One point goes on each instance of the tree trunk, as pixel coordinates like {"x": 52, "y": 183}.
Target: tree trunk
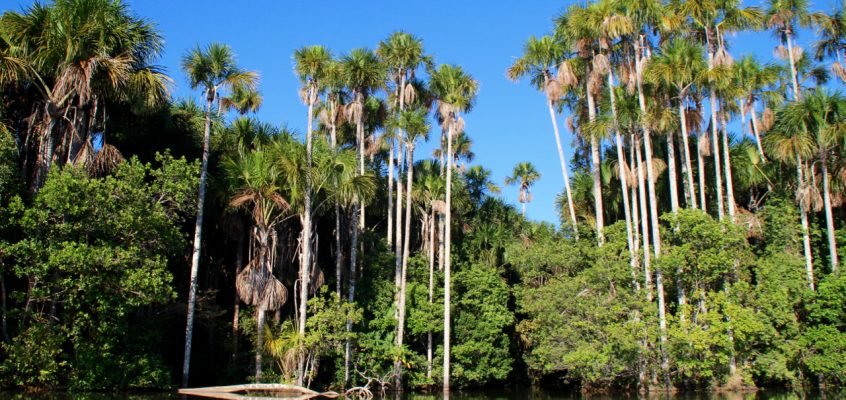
{"x": 700, "y": 165}
{"x": 624, "y": 187}
{"x": 732, "y": 208}
{"x": 793, "y": 74}
{"x": 259, "y": 341}
{"x": 595, "y": 172}
{"x": 431, "y": 291}
{"x": 564, "y": 171}
{"x": 391, "y": 193}
{"x": 803, "y": 216}
{"x": 406, "y": 249}
{"x": 756, "y": 131}
{"x": 715, "y": 140}
{"x": 687, "y": 159}
{"x": 829, "y": 219}
{"x": 398, "y": 220}
{"x": 448, "y": 258}
{"x": 198, "y": 228}
{"x": 236, "y": 314}
{"x": 671, "y": 173}
{"x": 351, "y": 289}
{"x": 305, "y": 266}
{"x": 644, "y": 211}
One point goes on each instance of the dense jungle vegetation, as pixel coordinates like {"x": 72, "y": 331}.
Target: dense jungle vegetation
{"x": 148, "y": 241}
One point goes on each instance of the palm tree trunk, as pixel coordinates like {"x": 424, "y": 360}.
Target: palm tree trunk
{"x": 198, "y": 228}
{"x": 259, "y": 340}
{"x": 236, "y": 314}
{"x": 305, "y": 265}
{"x": 803, "y": 216}
{"x": 391, "y": 193}
{"x": 431, "y": 290}
{"x": 700, "y": 165}
{"x": 406, "y": 250}
{"x": 351, "y": 288}
{"x": 448, "y": 258}
{"x": 595, "y": 172}
{"x": 634, "y": 203}
{"x": 829, "y": 219}
{"x": 624, "y": 187}
{"x": 564, "y": 171}
{"x": 339, "y": 254}
{"x": 715, "y": 142}
{"x": 732, "y": 207}
{"x": 671, "y": 173}
{"x": 793, "y": 74}
{"x": 641, "y": 188}
{"x": 756, "y": 131}
{"x": 687, "y": 159}
{"x": 398, "y": 220}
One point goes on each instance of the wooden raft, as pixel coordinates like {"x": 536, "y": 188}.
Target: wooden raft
{"x": 234, "y": 392}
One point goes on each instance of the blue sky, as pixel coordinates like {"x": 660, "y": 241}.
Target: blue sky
{"x": 510, "y": 122}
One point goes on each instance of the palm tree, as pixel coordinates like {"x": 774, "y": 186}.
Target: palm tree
{"x": 784, "y": 17}
{"x": 539, "y": 60}
{"x": 753, "y": 78}
{"x": 821, "y": 116}
{"x": 794, "y": 146}
{"x": 256, "y": 184}
{"x": 402, "y": 53}
{"x": 679, "y": 65}
{"x": 242, "y": 100}
{"x": 310, "y": 65}
{"x": 213, "y": 69}
{"x": 831, "y": 32}
{"x": 581, "y": 28}
{"x": 455, "y": 91}
{"x": 414, "y": 124}
{"x": 362, "y": 73}
{"x": 79, "y": 55}
{"x": 525, "y": 175}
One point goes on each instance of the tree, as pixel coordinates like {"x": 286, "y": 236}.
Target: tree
{"x": 540, "y": 57}
{"x": 256, "y": 184}
{"x": 212, "y": 69}
{"x": 524, "y": 175}
{"x": 362, "y": 73}
{"x": 455, "y": 91}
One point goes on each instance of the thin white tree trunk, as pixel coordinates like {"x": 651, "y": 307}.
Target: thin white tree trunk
{"x": 431, "y": 290}
{"x": 406, "y": 251}
{"x": 687, "y": 159}
{"x": 732, "y": 207}
{"x": 700, "y": 164}
{"x": 448, "y": 259}
{"x": 715, "y": 140}
{"x": 829, "y": 219}
{"x": 756, "y": 131}
{"x": 195, "y": 254}
{"x": 624, "y": 187}
{"x": 803, "y": 216}
{"x": 793, "y": 74}
{"x": 259, "y": 340}
{"x": 644, "y": 211}
{"x": 564, "y": 171}
{"x": 595, "y": 172}
{"x": 391, "y": 193}
{"x": 671, "y": 173}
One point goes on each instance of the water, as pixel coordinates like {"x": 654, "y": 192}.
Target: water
{"x": 512, "y": 394}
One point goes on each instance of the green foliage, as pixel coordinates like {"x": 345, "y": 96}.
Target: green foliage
{"x": 96, "y": 251}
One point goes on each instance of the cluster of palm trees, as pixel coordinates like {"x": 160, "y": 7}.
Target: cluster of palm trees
{"x": 274, "y": 176}
{"x": 644, "y": 74}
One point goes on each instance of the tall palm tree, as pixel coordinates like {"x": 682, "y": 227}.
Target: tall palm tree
{"x": 413, "y": 123}
{"x": 455, "y": 91}
{"x": 679, "y": 65}
{"x": 541, "y": 56}
{"x": 794, "y": 146}
{"x": 525, "y": 175}
{"x": 402, "y": 53}
{"x": 784, "y": 17}
{"x": 581, "y": 29}
{"x": 753, "y": 78}
{"x": 362, "y": 73}
{"x": 822, "y": 117}
{"x": 213, "y": 69}
{"x": 257, "y": 184}
{"x": 309, "y": 65}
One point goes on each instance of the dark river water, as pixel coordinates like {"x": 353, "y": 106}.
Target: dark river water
{"x": 526, "y": 394}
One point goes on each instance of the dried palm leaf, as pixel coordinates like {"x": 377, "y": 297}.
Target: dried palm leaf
{"x": 566, "y": 76}
{"x": 106, "y": 160}
{"x": 780, "y": 52}
{"x": 601, "y": 64}
{"x": 838, "y": 70}
{"x": 723, "y": 58}
{"x": 704, "y": 144}
{"x": 767, "y": 119}
{"x": 410, "y": 94}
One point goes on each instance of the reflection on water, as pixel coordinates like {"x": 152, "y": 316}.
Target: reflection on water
{"x": 512, "y": 394}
